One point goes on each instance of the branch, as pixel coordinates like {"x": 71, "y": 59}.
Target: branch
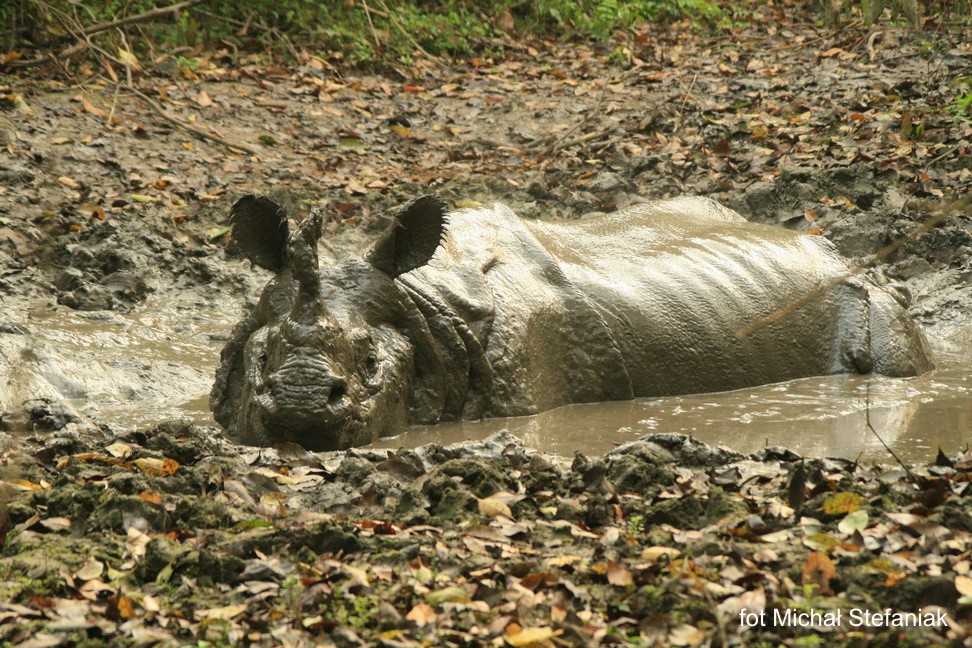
{"x": 867, "y": 420}
{"x": 198, "y": 132}
{"x": 147, "y": 15}
{"x": 100, "y": 27}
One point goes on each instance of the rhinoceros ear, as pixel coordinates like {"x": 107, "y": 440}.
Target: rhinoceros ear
{"x": 260, "y": 231}
{"x": 412, "y": 238}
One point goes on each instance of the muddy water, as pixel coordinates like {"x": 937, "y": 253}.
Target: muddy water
{"x": 134, "y": 370}
{"x": 127, "y": 370}
{"x": 826, "y": 416}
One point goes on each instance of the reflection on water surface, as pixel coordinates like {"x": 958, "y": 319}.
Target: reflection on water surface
{"x": 825, "y": 416}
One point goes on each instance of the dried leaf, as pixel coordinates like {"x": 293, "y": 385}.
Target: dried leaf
{"x": 56, "y": 523}
{"x": 129, "y": 59}
{"x": 964, "y": 585}
{"x": 90, "y": 570}
{"x": 354, "y": 187}
{"x": 126, "y": 609}
{"x": 686, "y": 635}
{"x": 492, "y": 507}
{"x": 136, "y": 542}
{"x": 619, "y": 575}
{"x": 156, "y": 467}
{"x": 120, "y": 449}
{"x": 819, "y": 570}
{"x": 530, "y": 637}
{"x": 654, "y": 554}
{"x": 856, "y": 521}
{"x": 422, "y": 614}
{"x": 448, "y": 595}
{"x": 224, "y": 613}
{"x": 561, "y": 561}
{"x": 24, "y": 484}
{"x": 97, "y": 112}
{"x": 218, "y": 232}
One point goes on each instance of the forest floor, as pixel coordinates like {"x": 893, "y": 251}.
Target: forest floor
{"x": 173, "y": 536}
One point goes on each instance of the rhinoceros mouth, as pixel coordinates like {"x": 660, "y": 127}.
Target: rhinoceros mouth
{"x": 331, "y": 427}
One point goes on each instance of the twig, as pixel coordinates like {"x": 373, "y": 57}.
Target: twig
{"x": 948, "y": 151}
{"x": 67, "y": 52}
{"x": 404, "y": 31}
{"x": 147, "y": 15}
{"x": 606, "y": 144}
{"x": 382, "y": 14}
{"x": 723, "y": 634}
{"x": 816, "y": 293}
{"x": 804, "y": 43}
{"x": 681, "y": 108}
{"x": 83, "y": 34}
{"x": 867, "y": 420}
{"x": 114, "y": 104}
{"x": 559, "y": 142}
{"x": 198, "y": 132}
{"x": 128, "y": 67}
{"x": 374, "y": 34}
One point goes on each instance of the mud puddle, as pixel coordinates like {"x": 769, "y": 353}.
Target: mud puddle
{"x": 131, "y": 371}
{"x": 822, "y": 416}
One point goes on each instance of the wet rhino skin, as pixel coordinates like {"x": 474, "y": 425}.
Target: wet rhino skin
{"x": 479, "y": 313}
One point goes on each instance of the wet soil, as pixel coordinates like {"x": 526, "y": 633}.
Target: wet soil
{"x": 117, "y": 287}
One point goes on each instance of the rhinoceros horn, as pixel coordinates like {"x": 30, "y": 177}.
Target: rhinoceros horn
{"x": 305, "y": 267}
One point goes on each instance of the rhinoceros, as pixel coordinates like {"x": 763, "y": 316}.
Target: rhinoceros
{"x": 477, "y": 313}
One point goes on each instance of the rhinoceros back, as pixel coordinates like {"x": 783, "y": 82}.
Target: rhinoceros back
{"x": 678, "y": 280}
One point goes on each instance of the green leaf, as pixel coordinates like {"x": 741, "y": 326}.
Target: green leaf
{"x": 856, "y": 521}
{"x": 218, "y": 232}
{"x": 842, "y": 503}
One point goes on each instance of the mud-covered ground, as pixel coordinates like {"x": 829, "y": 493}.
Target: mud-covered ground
{"x": 172, "y": 535}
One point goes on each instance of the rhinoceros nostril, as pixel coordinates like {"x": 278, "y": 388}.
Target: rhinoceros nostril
{"x": 338, "y": 390}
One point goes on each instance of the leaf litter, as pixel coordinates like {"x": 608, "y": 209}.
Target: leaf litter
{"x": 172, "y": 536}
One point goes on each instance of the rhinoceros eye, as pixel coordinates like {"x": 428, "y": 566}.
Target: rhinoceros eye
{"x": 371, "y": 362}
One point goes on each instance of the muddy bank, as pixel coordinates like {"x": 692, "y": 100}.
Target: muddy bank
{"x": 173, "y": 536}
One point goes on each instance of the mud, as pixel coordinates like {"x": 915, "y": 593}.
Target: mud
{"x": 117, "y": 286}
{"x": 117, "y": 290}
{"x": 122, "y": 322}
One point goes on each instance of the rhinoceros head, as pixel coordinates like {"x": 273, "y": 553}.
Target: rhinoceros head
{"x": 327, "y": 357}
